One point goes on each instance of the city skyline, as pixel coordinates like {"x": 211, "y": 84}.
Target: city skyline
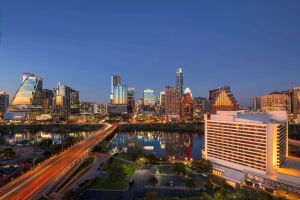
{"x": 255, "y": 52}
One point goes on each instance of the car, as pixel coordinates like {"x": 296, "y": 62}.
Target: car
{"x": 204, "y": 174}
{"x": 131, "y": 181}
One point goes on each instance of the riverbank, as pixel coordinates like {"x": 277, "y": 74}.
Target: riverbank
{"x": 33, "y": 128}
{"x": 171, "y": 127}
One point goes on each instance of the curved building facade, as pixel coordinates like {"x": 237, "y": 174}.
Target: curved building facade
{"x": 27, "y": 103}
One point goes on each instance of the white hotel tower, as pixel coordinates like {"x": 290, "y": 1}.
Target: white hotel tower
{"x": 248, "y": 143}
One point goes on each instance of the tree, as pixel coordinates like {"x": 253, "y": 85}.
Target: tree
{"x": 189, "y": 183}
{"x": 249, "y": 193}
{"x": 202, "y": 166}
{"x": 153, "y": 180}
{"x": 179, "y": 169}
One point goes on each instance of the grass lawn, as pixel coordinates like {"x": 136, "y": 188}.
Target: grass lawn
{"x": 106, "y": 183}
{"x": 128, "y": 168}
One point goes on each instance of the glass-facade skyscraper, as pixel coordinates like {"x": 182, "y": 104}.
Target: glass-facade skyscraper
{"x": 149, "y": 97}
{"x": 120, "y": 95}
{"x": 27, "y": 103}
{"x": 179, "y": 82}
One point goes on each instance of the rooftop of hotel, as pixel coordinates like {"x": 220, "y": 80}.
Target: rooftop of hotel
{"x": 235, "y": 116}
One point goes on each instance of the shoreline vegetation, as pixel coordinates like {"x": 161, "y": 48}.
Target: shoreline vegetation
{"x": 294, "y": 129}
{"x": 171, "y": 127}
{"x": 33, "y": 128}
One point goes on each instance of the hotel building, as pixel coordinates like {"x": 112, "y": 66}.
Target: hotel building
{"x": 254, "y": 143}
{"x": 252, "y": 149}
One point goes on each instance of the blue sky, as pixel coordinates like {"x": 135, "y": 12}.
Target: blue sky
{"x": 252, "y": 46}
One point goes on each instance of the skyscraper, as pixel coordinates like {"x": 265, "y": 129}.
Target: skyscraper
{"x": 171, "y": 101}
{"x": 48, "y": 100}
{"x": 179, "y": 82}
{"x": 120, "y": 95}
{"x": 27, "y": 103}
{"x": 222, "y": 99}
{"x": 186, "y": 106}
{"x": 115, "y": 81}
{"x": 149, "y": 97}
{"x": 66, "y": 101}
{"x": 131, "y": 100}
{"x": 162, "y": 102}
{"x": 179, "y": 89}
{"x": 4, "y": 101}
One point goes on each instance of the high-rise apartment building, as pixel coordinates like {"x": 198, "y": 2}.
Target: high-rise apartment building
{"x": 186, "y": 105}
{"x": 48, "y": 100}
{"x": 66, "y": 101}
{"x": 171, "y": 101}
{"x": 27, "y": 103}
{"x": 276, "y": 101}
{"x": 74, "y": 101}
{"x": 4, "y": 102}
{"x": 131, "y": 100}
{"x": 222, "y": 99}
{"x": 249, "y": 143}
{"x": 162, "y": 102}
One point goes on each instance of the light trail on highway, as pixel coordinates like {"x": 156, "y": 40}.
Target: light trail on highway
{"x": 43, "y": 177}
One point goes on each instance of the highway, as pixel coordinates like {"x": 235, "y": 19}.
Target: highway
{"x": 38, "y": 181}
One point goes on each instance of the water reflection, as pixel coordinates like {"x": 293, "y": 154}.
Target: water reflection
{"x": 163, "y": 144}
{"x": 15, "y": 138}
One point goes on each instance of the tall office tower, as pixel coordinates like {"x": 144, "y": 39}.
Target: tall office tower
{"x": 179, "y": 88}
{"x": 149, "y": 100}
{"x": 200, "y": 107}
{"x": 4, "y": 102}
{"x": 294, "y": 94}
{"x": 222, "y": 99}
{"x": 162, "y": 102}
{"x": 171, "y": 101}
{"x": 120, "y": 95}
{"x": 27, "y": 103}
{"x": 256, "y": 103}
{"x": 179, "y": 82}
{"x": 66, "y": 101}
{"x": 276, "y": 101}
{"x": 246, "y": 143}
{"x": 74, "y": 101}
{"x": 149, "y": 97}
{"x": 115, "y": 81}
{"x": 186, "y": 106}
{"x": 61, "y": 102}
{"x": 48, "y": 100}
{"x": 131, "y": 100}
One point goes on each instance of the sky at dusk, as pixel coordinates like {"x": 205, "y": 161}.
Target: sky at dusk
{"x": 252, "y": 46}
